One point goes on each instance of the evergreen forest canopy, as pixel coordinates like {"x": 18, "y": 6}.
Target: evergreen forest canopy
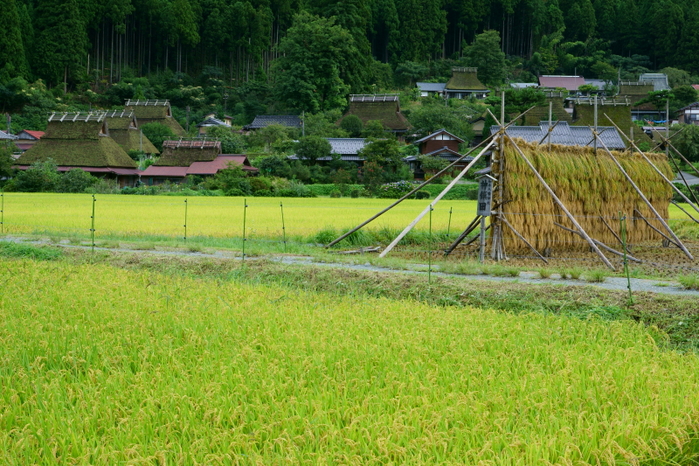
{"x": 292, "y": 55}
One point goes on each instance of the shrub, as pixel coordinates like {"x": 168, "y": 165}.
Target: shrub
{"x": 335, "y": 193}
{"x": 422, "y": 194}
{"x": 260, "y": 183}
{"x": 355, "y": 193}
{"x": 104, "y": 186}
{"x": 395, "y": 190}
{"x": 75, "y": 181}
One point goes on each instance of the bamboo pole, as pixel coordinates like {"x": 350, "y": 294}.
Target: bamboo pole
{"x": 639, "y": 215}
{"x": 560, "y": 204}
{"x": 433, "y": 203}
{"x": 657, "y": 170}
{"x": 477, "y": 237}
{"x": 648, "y": 203}
{"x": 600, "y": 244}
{"x": 462, "y": 236}
{"x": 611, "y": 230}
{"x": 680, "y": 207}
{"x": 524, "y": 240}
{"x": 425, "y": 183}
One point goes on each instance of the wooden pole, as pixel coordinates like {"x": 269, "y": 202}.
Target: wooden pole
{"x": 560, "y": 204}
{"x": 639, "y": 215}
{"x": 657, "y": 170}
{"x": 611, "y": 230}
{"x": 648, "y": 203}
{"x": 676, "y": 205}
{"x": 462, "y": 236}
{"x": 433, "y": 203}
{"x": 481, "y": 251}
{"x": 599, "y": 243}
{"x": 436, "y": 176}
{"x": 524, "y": 240}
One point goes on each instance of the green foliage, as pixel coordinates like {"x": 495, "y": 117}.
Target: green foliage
{"x": 311, "y": 148}
{"x": 353, "y": 125}
{"x": 687, "y": 141}
{"x": 684, "y": 95}
{"x": 409, "y": 72}
{"x": 6, "y": 160}
{"x": 373, "y": 129}
{"x": 232, "y": 181}
{"x": 274, "y": 165}
{"x": 323, "y": 124}
{"x": 269, "y": 136}
{"x": 157, "y": 133}
{"x": 315, "y": 68}
{"x": 27, "y": 251}
{"x": 39, "y": 177}
{"x": 231, "y": 143}
{"x": 432, "y": 164}
{"x": 12, "y": 53}
{"x": 75, "y": 181}
{"x": 430, "y": 118}
{"x": 486, "y": 53}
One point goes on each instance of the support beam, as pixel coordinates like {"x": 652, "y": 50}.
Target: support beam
{"x": 680, "y": 207}
{"x": 524, "y": 240}
{"x": 436, "y": 200}
{"x": 611, "y": 230}
{"x": 560, "y": 204}
{"x": 647, "y": 202}
{"x": 600, "y": 244}
{"x": 657, "y": 170}
{"x": 639, "y": 215}
{"x": 472, "y": 226}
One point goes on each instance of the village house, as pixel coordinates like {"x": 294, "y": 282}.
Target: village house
{"x": 384, "y": 108}
{"x": 184, "y": 158}
{"x": 123, "y": 128}
{"x": 464, "y": 84}
{"x": 82, "y": 140}
{"x": 442, "y": 144}
{"x": 155, "y": 111}
{"x": 263, "y": 121}
{"x": 27, "y": 138}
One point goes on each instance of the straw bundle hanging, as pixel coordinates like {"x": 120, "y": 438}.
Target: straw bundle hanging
{"x": 590, "y": 186}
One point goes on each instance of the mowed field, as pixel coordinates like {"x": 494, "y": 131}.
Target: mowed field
{"x": 100, "y": 365}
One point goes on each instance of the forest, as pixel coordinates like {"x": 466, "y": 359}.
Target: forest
{"x": 245, "y": 56}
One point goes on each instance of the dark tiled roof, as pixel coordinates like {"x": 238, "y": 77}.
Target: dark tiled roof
{"x": 565, "y": 135}
{"x": 4, "y": 135}
{"x": 374, "y": 98}
{"x": 431, "y": 87}
{"x": 262, "y": 121}
{"x": 212, "y": 122}
{"x": 694, "y": 105}
{"x": 659, "y": 80}
{"x": 346, "y": 146}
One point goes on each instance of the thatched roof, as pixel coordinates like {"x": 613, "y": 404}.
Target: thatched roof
{"x": 465, "y": 79}
{"x": 382, "y": 107}
{"x": 78, "y": 140}
{"x": 184, "y": 153}
{"x": 123, "y": 128}
{"x": 155, "y": 111}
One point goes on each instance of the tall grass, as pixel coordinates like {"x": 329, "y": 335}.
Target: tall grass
{"x": 105, "y": 366}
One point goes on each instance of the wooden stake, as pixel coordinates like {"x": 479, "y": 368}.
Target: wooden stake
{"x": 639, "y": 215}
{"x": 611, "y": 230}
{"x": 560, "y": 204}
{"x": 657, "y": 170}
{"x": 524, "y": 240}
{"x": 462, "y": 236}
{"x": 648, "y": 203}
{"x": 599, "y": 243}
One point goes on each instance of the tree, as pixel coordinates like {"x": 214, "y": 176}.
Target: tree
{"x": 353, "y": 125}
{"x": 75, "y": 181}
{"x": 684, "y": 95}
{"x": 269, "y": 135}
{"x": 486, "y": 54}
{"x": 231, "y": 143}
{"x": 39, "y": 177}
{"x": 385, "y": 153}
{"x": 315, "y": 69}
{"x": 373, "y": 129}
{"x": 430, "y": 118}
{"x": 312, "y": 148}
{"x": 62, "y": 41}
{"x": 687, "y": 141}
{"x": 6, "y": 160}
{"x": 12, "y": 57}
{"x": 157, "y": 133}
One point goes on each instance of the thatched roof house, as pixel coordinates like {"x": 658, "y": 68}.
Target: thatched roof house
{"x": 183, "y": 153}
{"x": 81, "y": 140}
{"x": 464, "y": 83}
{"x": 381, "y": 107}
{"x": 123, "y": 128}
{"x": 155, "y": 111}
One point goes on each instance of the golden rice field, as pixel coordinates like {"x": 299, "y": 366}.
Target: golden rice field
{"x": 133, "y": 367}
{"x": 213, "y": 216}
{"x": 26, "y": 213}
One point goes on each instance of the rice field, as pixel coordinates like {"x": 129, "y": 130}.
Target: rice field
{"x": 135, "y": 367}
{"x": 213, "y": 216}
{"x": 221, "y": 217}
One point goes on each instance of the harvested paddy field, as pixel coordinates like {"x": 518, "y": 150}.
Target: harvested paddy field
{"x": 123, "y": 359}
